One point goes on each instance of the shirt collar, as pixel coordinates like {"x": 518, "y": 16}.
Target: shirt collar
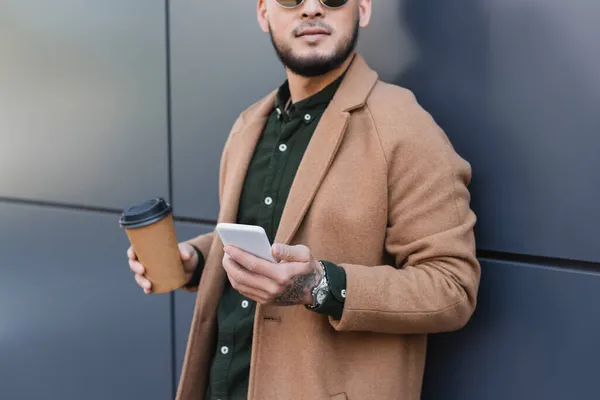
{"x": 320, "y": 98}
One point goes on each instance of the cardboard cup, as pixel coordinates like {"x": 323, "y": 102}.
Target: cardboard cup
{"x": 154, "y": 241}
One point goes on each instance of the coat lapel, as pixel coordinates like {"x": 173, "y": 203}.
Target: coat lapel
{"x": 243, "y": 144}
{"x": 325, "y": 142}
{"x": 313, "y": 168}
{"x": 240, "y": 151}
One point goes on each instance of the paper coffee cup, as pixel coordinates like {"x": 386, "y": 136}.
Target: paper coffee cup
{"x": 151, "y": 232}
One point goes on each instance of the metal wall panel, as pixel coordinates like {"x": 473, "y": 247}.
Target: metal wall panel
{"x": 541, "y": 196}
{"x": 74, "y": 325}
{"x": 515, "y": 86}
{"x": 219, "y": 67}
{"x": 387, "y": 43}
{"x": 83, "y": 101}
{"x": 184, "y": 301}
{"x": 533, "y": 336}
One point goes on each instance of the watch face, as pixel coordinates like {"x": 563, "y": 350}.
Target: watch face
{"x": 321, "y": 295}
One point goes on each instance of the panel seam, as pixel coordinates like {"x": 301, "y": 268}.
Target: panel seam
{"x": 172, "y": 322}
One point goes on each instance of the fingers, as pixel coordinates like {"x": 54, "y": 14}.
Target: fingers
{"x": 253, "y": 264}
{"x": 137, "y": 267}
{"x": 139, "y": 271}
{"x": 299, "y": 253}
{"x": 143, "y": 283}
{"x": 281, "y": 273}
{"x": 131, "y": 254}
{"x": 242, "y": 278}
{"x": 253, "y": 294}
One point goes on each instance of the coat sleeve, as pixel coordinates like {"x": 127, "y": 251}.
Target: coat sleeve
{"x": 433, "y": 285}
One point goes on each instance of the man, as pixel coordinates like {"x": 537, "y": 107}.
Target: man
{"x": 367, "y": 205}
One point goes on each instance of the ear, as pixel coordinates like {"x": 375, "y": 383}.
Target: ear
{"x": 263, "y": 20}
{"x": 364, "y": 10}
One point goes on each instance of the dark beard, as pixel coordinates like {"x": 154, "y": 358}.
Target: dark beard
{"x": 316, "y": 66}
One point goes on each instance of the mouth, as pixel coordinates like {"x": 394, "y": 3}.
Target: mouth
{"x": 313, "y": 33}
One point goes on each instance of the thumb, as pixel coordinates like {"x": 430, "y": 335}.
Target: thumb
{"x": 298, "y": 253}
{"x": 186, "y": 252}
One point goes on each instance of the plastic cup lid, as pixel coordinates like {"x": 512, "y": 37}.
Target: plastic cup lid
{"x": 145, "y": 213}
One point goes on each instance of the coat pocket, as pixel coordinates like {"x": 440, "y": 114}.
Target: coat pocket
{"x": 339, "y": 396}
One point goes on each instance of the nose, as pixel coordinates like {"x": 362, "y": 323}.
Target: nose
{"x": 312, "y": 9}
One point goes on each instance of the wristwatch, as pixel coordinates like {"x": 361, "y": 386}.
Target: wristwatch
{"x": 321, "y": 291}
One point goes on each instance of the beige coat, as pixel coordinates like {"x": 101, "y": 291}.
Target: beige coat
{"x": 381, "y": 192}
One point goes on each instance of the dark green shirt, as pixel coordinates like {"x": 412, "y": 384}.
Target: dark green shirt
{"x": 267, "y": 185}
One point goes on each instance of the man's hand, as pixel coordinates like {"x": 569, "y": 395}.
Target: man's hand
{"x": 188, "y": 257}
{"x": 289, "y": 282}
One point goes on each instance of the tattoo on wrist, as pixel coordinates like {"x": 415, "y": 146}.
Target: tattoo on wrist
{"x": 300, "y": 288}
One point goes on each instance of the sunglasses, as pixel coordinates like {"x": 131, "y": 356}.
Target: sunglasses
{"x": 297, "y": 3}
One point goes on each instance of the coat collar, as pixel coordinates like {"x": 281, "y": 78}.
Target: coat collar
{"x": 352, "y": 94}
{"x": 356, "y": 86}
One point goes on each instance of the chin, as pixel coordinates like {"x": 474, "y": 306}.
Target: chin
{"x": 313, "y": 56}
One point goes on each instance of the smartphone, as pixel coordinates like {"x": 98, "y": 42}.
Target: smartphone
{"x": 250, "y": 238}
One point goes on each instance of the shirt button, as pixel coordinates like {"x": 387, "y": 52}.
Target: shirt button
{"x": 245, "y": 304}
{"x": 344, "y": 293}
{"x": 307, "y": 117}
{"x": 224, "y": 350}
{"x": 268, "y": 201}
{"x": 282, "y": 148}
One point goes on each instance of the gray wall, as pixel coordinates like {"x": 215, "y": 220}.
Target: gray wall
{"x": 107, "y": 103}
{"x": 516, "y": 85}
{"x": 83, "y": 100}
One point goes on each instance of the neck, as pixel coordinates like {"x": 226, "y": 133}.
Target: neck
{"x": 302, "y": 87}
